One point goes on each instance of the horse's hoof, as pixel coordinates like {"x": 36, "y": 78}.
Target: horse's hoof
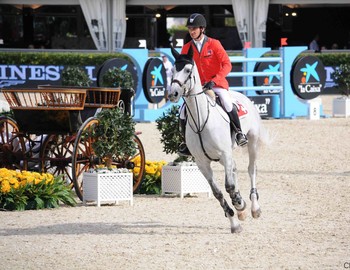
{"x": 242, "y": 215}
{"x": 256, "y": 214}
{"x": 240, "y": 207}
{"x": 237, "y": 229}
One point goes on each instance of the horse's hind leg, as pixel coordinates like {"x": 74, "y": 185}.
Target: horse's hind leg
{"x": 208, "y": 174}
{"x": 252, "y": 171}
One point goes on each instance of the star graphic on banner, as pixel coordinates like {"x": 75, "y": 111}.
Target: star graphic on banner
{"x": 273, "y": 69}
{"x": 311, "y": 71}
{"x": 157, "y": 74}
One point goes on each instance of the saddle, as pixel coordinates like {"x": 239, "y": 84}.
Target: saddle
{"x": 241, "y": 111}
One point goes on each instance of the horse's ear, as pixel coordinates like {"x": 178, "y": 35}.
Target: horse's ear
{"x": 190, "y": 52}
{"x": 174, "y": 52}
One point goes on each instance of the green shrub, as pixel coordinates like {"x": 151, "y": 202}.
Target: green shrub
{"x": 171, "y": 137}
{"x": 341, "y": 77}
{"x": 75, "y": 76}
{"x": 116, "y": 77}
{"x": 114, "y": 135}
{"x": 58, "y": 58}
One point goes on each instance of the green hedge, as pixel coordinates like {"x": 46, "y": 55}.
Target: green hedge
{"x": 57, "y": 58}
{"x": 81, "y": 59}
{"x": 327, "y": 58}
{"x": 333, "y": 59}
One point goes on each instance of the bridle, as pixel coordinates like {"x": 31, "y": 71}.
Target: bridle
{"x": 186, "y": 91}
{"x": 183, "y": 85}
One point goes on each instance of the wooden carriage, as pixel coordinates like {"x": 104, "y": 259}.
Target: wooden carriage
{"x": 46, "y": 132}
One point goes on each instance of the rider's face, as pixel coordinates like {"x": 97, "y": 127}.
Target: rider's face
{"x": 195, "y": 32}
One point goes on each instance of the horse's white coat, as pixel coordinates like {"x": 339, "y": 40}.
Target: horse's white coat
{"x": 207, "y": 122}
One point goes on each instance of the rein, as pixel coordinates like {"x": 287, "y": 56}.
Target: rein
{"x": 186, "y": 94}
{"x": 198, "y": 124}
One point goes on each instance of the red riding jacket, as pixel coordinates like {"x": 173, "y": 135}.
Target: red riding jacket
{"x": 212, "y": 62}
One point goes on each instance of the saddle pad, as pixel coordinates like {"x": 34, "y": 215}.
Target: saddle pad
{"x": 242, "y": 111}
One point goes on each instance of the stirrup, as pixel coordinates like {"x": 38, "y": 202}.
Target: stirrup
{"x": 183, "y": 150}
{"x": 242, "y": 141}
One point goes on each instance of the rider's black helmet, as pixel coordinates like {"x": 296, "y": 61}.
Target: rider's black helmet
{"x": 196, "y": 20}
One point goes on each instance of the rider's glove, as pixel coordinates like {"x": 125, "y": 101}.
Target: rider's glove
{"x": 208, "y": 85}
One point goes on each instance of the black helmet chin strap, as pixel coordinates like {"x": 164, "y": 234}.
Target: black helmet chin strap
{"x": 202, "y": 31}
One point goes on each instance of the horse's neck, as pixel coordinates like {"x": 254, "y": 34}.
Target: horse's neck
{"x": 197, "y": 106}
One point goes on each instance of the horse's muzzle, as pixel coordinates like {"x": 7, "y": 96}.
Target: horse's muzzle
{"x": 173, "y": 97}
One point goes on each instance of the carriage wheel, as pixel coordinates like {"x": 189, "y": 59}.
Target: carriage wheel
{"x": 83, "y": 155}
{"x": 12, "y": 146}
{"x": 56, "y": 156}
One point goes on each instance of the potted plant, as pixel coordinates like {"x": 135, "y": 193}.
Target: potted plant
{"x": 181, "y": 176}
{"x": 341, "y": 76}
{"x": 75, "y": 76}
{"x": 112, "y": 138}
{"x": 120, "y": 78}
{"x": 171, "y": 137}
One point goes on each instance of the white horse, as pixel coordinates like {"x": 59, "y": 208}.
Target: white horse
{"x": 209, "y": 137}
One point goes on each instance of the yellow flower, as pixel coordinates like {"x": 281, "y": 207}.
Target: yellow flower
{"x": 23, "y": 183}
{"x": 36, "y": 175}
{"x": 16, "y": 185}
{"x": 5, "y": 187}
{"x": 14, "y": 182}
{"x": 136, "y": 160}
{"x": 37, "y": 181}
{"x": 30, "y": 179}
{"x": 136, "y": 170}
{"x": 149, "y": 169}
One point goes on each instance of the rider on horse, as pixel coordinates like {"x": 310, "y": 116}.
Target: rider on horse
{"x": 213, "y": 66}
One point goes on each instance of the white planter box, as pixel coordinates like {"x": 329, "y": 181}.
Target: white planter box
{"x": 106, "y": 187}
{"x": 183, "y": 180}
{"x": 341, "y": 107}
{"x": 314, "y": 108}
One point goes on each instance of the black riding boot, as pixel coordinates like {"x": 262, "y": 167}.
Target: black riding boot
{"x": 241, "y": 139}
{"x": 183, "y": 150}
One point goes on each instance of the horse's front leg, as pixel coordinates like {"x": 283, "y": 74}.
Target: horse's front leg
{"x": 231, "y": 185}
{"x": 229, "y": 213}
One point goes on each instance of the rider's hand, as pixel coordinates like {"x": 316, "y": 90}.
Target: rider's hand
{"x": 208, "y": 85}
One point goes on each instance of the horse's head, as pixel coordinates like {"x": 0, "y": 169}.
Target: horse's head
{"x": 181, "y": 82}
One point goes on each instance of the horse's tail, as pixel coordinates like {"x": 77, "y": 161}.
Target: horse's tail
{"x": 265, "y": 136}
